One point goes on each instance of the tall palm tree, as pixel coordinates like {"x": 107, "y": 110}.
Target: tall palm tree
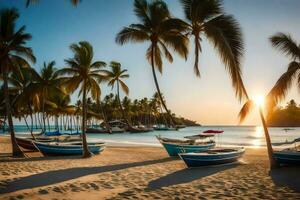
{"x": 115, "y": 78}
{"x": 44, "y": 84}
{"x": 206, "y": 18}
{"x": 244, "y": 112}
{"x": 288, "y": 46}
{"x": 13, "y": 55}
{"x": 83, "y": 73}
{"x": 162, "y": 31}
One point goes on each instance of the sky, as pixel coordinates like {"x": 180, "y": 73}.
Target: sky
{"x": 209, "y": 100}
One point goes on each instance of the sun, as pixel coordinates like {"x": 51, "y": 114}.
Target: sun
{"x": 259, "y": 100}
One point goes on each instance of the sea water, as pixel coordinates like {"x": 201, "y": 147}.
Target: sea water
{"x": 251, "y": 136}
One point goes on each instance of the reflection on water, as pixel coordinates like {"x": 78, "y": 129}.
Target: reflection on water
{"x": 256, "y": 143}
{"x": 259, "y": 132}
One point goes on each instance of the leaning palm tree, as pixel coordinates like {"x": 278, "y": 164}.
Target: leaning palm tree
{"x": 289, "y": 47}
{"x": 206, "y": 18}
{"x": 244, "y": 112}
{"x": 13, "y": 55}
{"x": 115, "y": 78}
{"x": 162, "y": 31}
{"x": 83, "y": 73}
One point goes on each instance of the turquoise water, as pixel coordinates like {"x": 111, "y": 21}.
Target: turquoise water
{"x": 233, "y": 135}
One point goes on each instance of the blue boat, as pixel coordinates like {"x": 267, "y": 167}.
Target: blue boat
{"x": 214, "y": 156}
{"x": 174, "y": 146}
{"x": 70, "y": 148}
{"x": 287, "y": 157}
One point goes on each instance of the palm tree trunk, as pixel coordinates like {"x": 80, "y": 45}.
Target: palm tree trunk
{"x": 120, "y": 104}
{"x": 16, "y": 151}
{"x": 86, "y": 151}
{"x": 268, "y": 140}
{"x": 158, "y": 89}
{"x": 104, "y": 118}
{"x": 31, "y": 118}
{"x": 44, "y": 120}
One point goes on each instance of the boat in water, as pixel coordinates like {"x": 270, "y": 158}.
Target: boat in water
{"x": 67, "y": 148}
{"x": 97, "y": 130}
{"x": 164, "y": 128}
{"x": 176, "y": 146}
{"x": 214, "y": 156}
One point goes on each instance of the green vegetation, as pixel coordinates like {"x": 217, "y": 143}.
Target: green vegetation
{"x": 289, "y": 116}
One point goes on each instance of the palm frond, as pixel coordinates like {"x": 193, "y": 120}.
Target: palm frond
{"x": 286, "y": 44}
{"x": 124, "y": 87}
{"x": 246, "y": 109}
{"x": 280, "y": 90}
{"x": 224, "y": 32}
{"x": 128, "y": 34}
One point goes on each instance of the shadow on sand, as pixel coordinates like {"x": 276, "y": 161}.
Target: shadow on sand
{"x": 58, "y": 176}
{"x": 188, "y": 175}
{"x": 288, "y": 176}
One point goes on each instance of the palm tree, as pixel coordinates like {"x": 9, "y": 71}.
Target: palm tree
{"x": 289, "y": 47}
{"x": 207, "y": 18}
{"x": 115, "y": 78}
{"x": 162, "y": 31}
{"x": 43, "y": 86}
{"x": 13, "y": 55}
{"x": 244, "y": 112}
{"x": 83, "y": 73}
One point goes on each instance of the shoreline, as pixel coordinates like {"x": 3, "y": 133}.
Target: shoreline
{"x": 137, "y": 172}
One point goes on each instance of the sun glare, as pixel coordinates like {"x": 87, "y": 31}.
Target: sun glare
{"x": 259, "y": 100}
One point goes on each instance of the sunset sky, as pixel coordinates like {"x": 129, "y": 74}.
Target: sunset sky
{"x": 209, "y": 100}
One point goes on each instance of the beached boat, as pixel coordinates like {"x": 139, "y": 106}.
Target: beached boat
{"x": 287, "y": 157}
{"x": 67, "y": 148}
{"x": 214, "y": 156}
{"x": 176, "y": 146}
{"x": 27, "y": 143}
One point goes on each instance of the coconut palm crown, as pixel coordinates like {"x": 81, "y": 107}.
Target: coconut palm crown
{"x": 86, "y": 74}
{"x": 14, "y": 54}
{"x": 160, "y": 30}
{"x": 206, "y": 18}
{"x": 287, "y": 45}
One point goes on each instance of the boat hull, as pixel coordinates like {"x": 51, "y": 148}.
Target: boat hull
{"x": 27, "y": 143}
{"x": 175, "y": 149}
{"x": 287, "y": 157}
{"x": 203, "y": 159}
{"x": 49, "y": 149}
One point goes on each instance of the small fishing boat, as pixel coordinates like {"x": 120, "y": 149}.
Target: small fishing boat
{"x": 163, "y": 128}
{"x": 67, "y": 148}
{"x": 97, "y": 130}
{"x": 116, "y": 129}
{"x": 214, "y": 156}
{"x": 27, "y": 143}
{"x": 176, "y": 146}
{"x": 287, "y": 157}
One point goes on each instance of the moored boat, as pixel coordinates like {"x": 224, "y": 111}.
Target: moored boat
{"x": 71, "y": 148}
{"x": 97, "y": 130}
{"x": 176, "y": 146}
{"x": 214, "y": 156}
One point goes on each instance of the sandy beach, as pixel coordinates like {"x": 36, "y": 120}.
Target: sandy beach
{"x": 142, "y": 173}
